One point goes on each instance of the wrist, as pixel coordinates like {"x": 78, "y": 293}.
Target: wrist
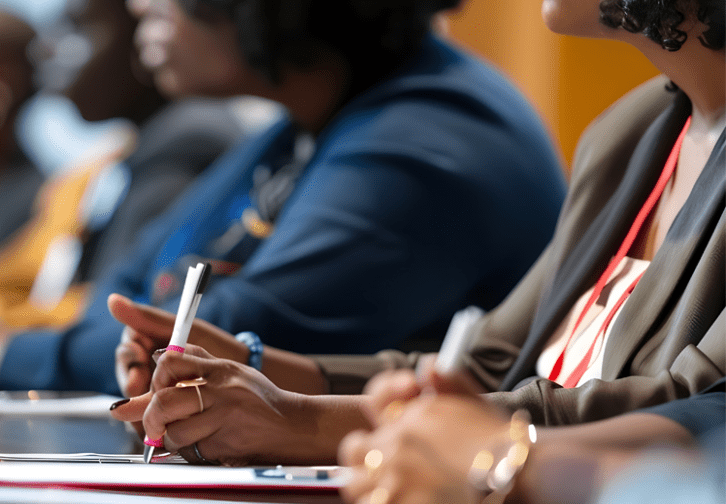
{"x": 496, "y": 468}
{"x": 254, "y": 346}
{"x": 330, "y": 418}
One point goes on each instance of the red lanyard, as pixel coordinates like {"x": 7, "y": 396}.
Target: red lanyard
{"x": 665, "y": 176}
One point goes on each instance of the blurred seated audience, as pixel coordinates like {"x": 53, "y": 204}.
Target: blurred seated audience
{"x": 19, "y": 179}
{"x": 88, "y": 211}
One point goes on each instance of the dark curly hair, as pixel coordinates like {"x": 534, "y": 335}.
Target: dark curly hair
{"x": 373, "y": 35}
{"x": 659, "y": 20}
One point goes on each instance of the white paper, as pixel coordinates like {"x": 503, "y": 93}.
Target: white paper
{"x": 158, "y": 476}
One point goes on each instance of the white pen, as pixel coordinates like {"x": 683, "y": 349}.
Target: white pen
{"x": 456, "y": 342}
{"x": 194, "y": 285}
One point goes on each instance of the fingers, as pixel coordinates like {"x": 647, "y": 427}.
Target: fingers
{"x": 388, "y": 391}
{"x": 352, "y": 448}
{"x": 132, "y": 410}
{"x": 174, "y": 367}
{"x": 171, "y": 405}
{"x": 195, "y": 427}
{"x": 147, "y": 320}
{"x": 458, "y": 382}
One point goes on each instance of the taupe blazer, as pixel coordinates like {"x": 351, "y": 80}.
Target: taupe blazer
{"x": 668, "y": 341}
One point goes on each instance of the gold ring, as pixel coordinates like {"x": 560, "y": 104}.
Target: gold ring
{"x": 380, "y": 495}
{"x": 373, "y": 459}
{"x": 196, "y": 383}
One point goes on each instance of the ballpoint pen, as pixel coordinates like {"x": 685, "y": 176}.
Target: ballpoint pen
{"x": 194, "y": 285}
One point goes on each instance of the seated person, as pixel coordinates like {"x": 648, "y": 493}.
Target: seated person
{"x": 89, "y": 212}
{"x": 430, "y": 185}
{"x": 19, "y": 179}
{"x": 667, "y": 342}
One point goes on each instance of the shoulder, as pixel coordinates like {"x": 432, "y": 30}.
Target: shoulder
{"x": 607, "y": 145}
{"x": 447, "y": 105}
{"x": 617, "y": 131}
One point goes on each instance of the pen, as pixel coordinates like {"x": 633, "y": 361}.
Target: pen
{"x": 456, "y": 342}
{"x": 194, "y": 285}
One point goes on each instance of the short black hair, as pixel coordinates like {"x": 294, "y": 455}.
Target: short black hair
{"x": 371, "y": 34}
{"x": 659, "y": 20}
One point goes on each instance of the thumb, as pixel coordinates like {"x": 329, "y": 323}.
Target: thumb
{"x": 131, "y": 410}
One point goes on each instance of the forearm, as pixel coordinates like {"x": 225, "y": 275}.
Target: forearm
{"x": 567, "y": 464}
{"x": 328, "y": 419}
{"x": 293, "y": 372}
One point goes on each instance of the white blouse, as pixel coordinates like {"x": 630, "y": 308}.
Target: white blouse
{"x": 627, "y": 271}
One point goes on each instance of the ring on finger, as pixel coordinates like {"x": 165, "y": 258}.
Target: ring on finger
{"x": 200, "y": 458}
{"x": 196, "y": 383}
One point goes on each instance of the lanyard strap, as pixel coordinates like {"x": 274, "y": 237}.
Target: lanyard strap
{"x": 655, "y": 194}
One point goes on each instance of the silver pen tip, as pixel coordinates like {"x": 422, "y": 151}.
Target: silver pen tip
{"x": 148, "y": 453}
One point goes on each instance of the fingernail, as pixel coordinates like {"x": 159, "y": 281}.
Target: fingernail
{"x": 158, "y": 353}
{"x": 118, "y": 403}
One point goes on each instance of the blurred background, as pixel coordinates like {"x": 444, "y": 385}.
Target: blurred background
{"x": 570, "y": 80}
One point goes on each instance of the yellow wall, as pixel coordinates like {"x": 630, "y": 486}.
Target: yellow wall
{"x": 570, "y": 80}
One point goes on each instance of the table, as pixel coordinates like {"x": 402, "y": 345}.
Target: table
{"x": 99, "y": 433}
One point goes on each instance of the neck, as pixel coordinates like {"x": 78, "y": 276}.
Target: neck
{"x": 312, "y": 95}
{"x": 699, "y": 72}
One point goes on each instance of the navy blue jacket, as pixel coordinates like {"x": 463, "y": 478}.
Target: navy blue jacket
{"x": 435, "y": 189}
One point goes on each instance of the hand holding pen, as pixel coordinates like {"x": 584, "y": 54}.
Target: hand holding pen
{"x": 440, "y": 373}
{"x": 194, "y": 286}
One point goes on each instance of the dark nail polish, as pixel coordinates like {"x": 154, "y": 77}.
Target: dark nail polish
{"x": 118, "y": 403}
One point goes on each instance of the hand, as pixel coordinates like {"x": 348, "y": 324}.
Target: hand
{"x": 149, "y": 329}
{"x": 425, "y": 454}
{"x": 245, "y": 418}
{"x": 389, "y": 390}
{"x": 186, "y": 55}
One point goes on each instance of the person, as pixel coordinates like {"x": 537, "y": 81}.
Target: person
{"x": 666, "y": 344}
{"x": 431, "y": 184}
{"x": 90, "y": 211}
{"x": 450, "y": 445}
{"x": 19, "y": 179}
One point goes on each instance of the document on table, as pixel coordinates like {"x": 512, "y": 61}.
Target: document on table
{"x": 128, "y": 472}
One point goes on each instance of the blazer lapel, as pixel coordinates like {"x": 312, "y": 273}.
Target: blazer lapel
{"x": 580, "y": 269}
{"x": 663, "y": 282}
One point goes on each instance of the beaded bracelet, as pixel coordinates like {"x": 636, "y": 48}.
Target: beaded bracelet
{"x": 254, "y": 344}
{"x": 494, "y": 470}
